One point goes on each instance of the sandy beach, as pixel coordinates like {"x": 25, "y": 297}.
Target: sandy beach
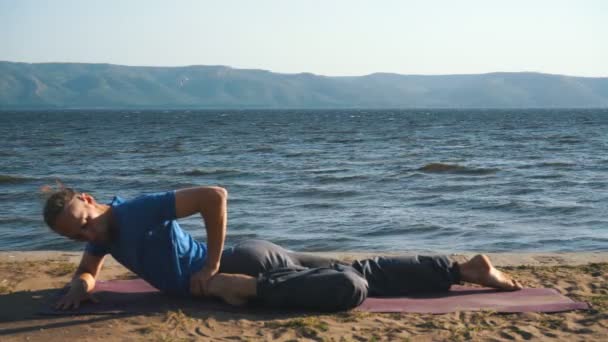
{"x": 27, "y": 279}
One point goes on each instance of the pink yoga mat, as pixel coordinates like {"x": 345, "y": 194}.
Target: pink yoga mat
{"x": 137, "y": 296}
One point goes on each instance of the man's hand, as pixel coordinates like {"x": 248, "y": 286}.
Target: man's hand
{"x": 76, "y": 294}
{"x": 199, "y": 281}
{"x": 211, "y": 203}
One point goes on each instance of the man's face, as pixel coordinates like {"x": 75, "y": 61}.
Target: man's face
{"x": 81, "y": 220}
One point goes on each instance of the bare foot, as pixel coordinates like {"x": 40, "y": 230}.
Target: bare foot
{"x": 234, "y": 289}
{"x": 479, "y": 270}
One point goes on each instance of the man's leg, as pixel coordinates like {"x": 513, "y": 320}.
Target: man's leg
{"x": 311, "y": 260}
{"x": 252, "y": 257}
{"x": 266, "y": 273}
{"x": 393, "y": 276}
{"x": 333, "y": 288}
{"x": 403, "y": 275}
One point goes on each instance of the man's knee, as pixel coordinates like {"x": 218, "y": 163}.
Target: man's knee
{"x": 354, "y": 290}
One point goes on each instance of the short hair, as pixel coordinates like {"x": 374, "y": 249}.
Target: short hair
{"x": 55, "y": 204}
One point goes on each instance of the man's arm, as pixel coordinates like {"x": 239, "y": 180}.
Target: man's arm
{"x": 83, "y": 281}
{"x": 211, "y": 203}
{"x": 88, "y": 270}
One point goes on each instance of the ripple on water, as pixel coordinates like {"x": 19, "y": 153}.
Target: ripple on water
{"x": 457, "y": 169}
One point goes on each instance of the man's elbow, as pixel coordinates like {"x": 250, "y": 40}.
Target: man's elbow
{"x": 217, "y": 193}
{"x": 223, "y": 193}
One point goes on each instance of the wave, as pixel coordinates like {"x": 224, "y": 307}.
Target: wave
{"x": 415, "y": 229}
{"x": 445, "y": 188}
{"x": 535, "y": 208}
{"x": 345, "y": 140}
{"x": 314, "y": 206}
{"x": 7, "y": 154}
{"x": 262, "y": 149}
{"x": 20, "y": 220}
{"x": 547, "y": 165}
{"x": 8, "y": 179}
{"x": 565, "y": 209}
{"x": 566, "y": 139}
{"x": 302, "y": 153}
{"x": 549, "y": 176}
{"x": 211, "y": 171}
{"x": 458, "y": 169}
{"x": 151, "y": 171}
{"x": 323, "y": 193}
{"x": 524, "y": 191}
{"x": 556, "y": 164}
{"x": 327, "y": 170}
{"x": 315, "y": 139}
{"x": 513, "y": 205}
{"x": 340, "y": 179}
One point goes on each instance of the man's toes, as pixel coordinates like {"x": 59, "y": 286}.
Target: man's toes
{"x": 513, "y": 284}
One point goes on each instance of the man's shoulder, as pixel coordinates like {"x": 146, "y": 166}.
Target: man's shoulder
{"x": 145, "y": 200}
{"x": 148, "y": 209}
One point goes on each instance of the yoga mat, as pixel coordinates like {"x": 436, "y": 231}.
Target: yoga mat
{"x": 461, "y": 298}
{"x": 137, "y": 296}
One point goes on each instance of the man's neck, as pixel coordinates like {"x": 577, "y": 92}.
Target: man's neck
{"x": 108, "y": 218}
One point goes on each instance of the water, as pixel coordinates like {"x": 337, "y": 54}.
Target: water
{"x": 386, "y": 180}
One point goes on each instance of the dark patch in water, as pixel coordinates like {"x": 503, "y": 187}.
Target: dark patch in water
{"x": 18, "y": 220}
{"x": 7, "y": 154}
{"x": 565, "y": 209}
{"x": 569, "y": 140}
{"x": 556, "y": 164}
{"x": 262, "y": 149}
{"x": 8, "y": 179}
{"x": 340, "y": 179}
{"x": 205, "y": 172}
{"x": 314, "y": 206}
{"x": 415, "y": 229}
{"x": 549, "y": 176}
{"x": 524, "y": 191}
{"x": 517, "y": 206}
{"x": 302, "y": 153}
{"x": 547, "y": 165}
{"x": 150, "y": 171}
{"x": 455, "y": 168}
{"x": 345, "y": 141}
{"x": 327, "y": 170}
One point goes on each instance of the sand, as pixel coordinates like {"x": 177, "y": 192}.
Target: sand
{"x": 28, "y": 278}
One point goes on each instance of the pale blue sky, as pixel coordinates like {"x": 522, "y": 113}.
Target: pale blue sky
{"x": 319, "y": 36}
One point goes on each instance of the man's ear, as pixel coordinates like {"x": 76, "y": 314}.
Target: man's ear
{"x": 87, "y": 198}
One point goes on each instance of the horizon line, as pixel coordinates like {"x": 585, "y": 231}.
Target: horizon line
{"x": 169, "y": 109}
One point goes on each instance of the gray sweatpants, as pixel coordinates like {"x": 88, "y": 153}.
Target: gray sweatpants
{"x": 287, "y": 279}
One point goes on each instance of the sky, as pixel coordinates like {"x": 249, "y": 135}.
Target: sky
{"x": 326, "y": 37}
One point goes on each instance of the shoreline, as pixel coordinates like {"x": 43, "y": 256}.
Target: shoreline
{"x": 499, "y": 259}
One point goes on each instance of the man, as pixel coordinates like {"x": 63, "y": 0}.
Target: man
{"x": 144, "y": 236}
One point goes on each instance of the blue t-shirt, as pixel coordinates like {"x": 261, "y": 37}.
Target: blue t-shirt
{"x": 151, "y": 243}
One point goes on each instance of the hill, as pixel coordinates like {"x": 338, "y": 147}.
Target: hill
{"x": 79, "y": 85}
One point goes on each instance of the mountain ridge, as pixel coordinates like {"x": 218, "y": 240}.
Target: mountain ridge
{"x": 103, "y": 85}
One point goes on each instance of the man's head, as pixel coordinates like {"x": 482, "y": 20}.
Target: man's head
{"x": 77, "y": 216}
